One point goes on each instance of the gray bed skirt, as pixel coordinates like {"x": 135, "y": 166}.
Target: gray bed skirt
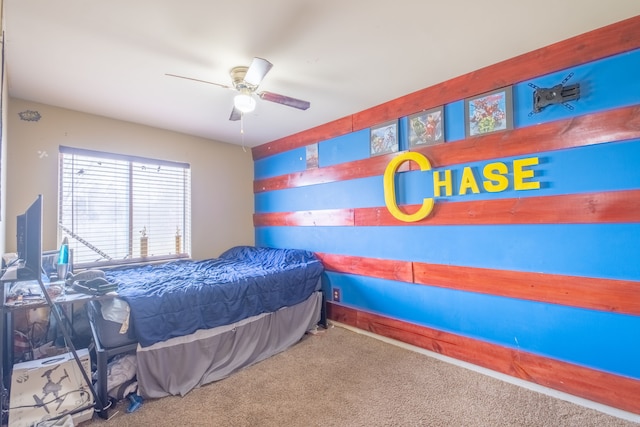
{"x": 176, "y": 366}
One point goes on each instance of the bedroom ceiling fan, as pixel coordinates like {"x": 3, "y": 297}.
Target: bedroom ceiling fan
{"x": 245, "y": 80}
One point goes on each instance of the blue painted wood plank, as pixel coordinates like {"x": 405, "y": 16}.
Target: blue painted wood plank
{"x": 592, "y": 250}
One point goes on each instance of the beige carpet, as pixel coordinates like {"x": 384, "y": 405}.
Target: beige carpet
{"x": 342, "y": 378}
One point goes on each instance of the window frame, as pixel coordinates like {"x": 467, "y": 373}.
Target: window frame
{"x": 186, "y": 232}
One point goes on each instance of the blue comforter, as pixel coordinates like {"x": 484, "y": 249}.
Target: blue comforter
{"x": 180, "y": 297}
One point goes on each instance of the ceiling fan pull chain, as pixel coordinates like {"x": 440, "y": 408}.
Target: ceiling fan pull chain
{"x": 242, "y": 131}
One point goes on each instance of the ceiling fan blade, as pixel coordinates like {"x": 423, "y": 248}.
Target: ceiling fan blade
{"x": 235, "y": 115}
{"x": 285, "y": 100}
{"x": 198, "y": 80}
{"x": 257, "y": 70}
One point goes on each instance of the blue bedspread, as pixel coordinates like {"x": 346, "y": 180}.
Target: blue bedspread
{"x": 180, "y": 297}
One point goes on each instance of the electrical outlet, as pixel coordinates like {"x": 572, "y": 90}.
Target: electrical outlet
{"x": 336, "y": 294}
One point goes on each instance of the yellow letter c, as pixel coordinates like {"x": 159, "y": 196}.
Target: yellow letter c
{"x": 390, "y": 188}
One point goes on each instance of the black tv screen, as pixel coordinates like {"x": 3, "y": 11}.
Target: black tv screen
{"x": 21, "y": 236}
{"x": 33, "y": 239}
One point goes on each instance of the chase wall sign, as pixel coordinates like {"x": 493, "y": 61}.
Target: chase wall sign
{"x": 495, "y": 178}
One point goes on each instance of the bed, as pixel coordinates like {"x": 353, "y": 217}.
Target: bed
{"x": 198, "y": 321}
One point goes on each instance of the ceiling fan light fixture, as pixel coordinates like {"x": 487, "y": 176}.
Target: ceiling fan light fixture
{"x": 244, "y": 102}
{"x": 245, "y": 81}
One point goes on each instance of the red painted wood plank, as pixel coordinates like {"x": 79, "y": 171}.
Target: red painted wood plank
{"x": 328, "y": 130}
{"x": 372, "y": 267}
{"x": 340, "y": 314}
{"x": 340, "y": 172}
{"x": 618, "y": 296}
{"x": 607, "y": 126}
{"x": 604, "y": 127}
{"x": 600, "y": 43}
{"x": 609, "y": 389}
{"x": 584, "y": 208}
{"x": 327, "y": 217}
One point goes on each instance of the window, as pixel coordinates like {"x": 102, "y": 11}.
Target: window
{"x": 118, "y": 209}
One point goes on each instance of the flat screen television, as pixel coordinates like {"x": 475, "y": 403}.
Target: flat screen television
{"x": 21, "y": 235}
{"x": 30, "y": 266}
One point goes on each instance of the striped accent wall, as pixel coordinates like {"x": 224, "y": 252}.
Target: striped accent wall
{"x": 540, "y": 282}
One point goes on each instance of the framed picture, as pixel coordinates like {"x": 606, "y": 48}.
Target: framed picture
{"x": 312, "y": 156}
{"x": 426, "y": 127}
{"x": 384, "y": 138}
{"x": 489, "y": 112}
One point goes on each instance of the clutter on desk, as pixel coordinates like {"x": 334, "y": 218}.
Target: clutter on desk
{"x": 55, "y": 290}
{"x": 27, "y": 292}
{"x": 92, "y": 282}
{"x": 95, "y": 287}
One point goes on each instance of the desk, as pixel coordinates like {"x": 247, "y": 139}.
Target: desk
{"x": 64, "y": 301}
{"x": 6, "y": 346}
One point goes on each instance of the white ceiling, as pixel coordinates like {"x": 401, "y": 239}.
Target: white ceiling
{"x": 110, "y": 57}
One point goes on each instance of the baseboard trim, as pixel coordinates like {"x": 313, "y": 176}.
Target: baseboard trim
{"x": 609, "y": 410}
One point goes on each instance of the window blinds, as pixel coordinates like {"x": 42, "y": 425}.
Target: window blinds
{"x": 117, "y": 209}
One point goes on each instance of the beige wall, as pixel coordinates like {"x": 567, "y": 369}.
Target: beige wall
{"x": 3, "y": 168}
{"x": 3, "y": 147}
{"x": 221, "y": 174}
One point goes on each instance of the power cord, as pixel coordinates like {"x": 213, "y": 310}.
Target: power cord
{"x": 81, "y": 391}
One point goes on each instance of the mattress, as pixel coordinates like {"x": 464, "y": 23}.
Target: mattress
{"x": 181, "y": 297}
